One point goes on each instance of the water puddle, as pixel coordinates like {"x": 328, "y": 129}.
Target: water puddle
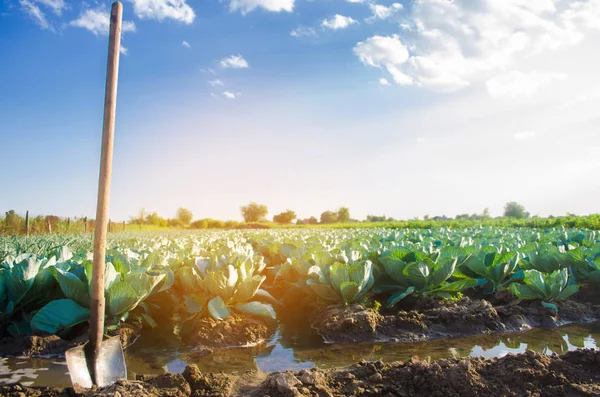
{"x": 156, "y": 353}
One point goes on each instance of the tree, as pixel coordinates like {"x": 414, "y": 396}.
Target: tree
{"x": 343, "y": 214}
{"x": 175, "y": 223}
{"x": 285, "y": 218}
{"x": 154, "y": 219}
{"x": 515, "y": 210}
{"x": 184, "y": 215}
{"x": 313, "y": 221}
{"x": 329, "y": 217}
{"x": 486, "y": 213}
{"x": 254, "y": 212}
{"x": 13, "y": 223}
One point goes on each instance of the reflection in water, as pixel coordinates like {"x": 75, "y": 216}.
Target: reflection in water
{"x": 296, "y": 348}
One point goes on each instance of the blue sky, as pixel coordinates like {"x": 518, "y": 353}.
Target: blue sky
{"x": 400, "y": 108}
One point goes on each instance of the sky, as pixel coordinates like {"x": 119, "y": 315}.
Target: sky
{"x": 405, "y": 108}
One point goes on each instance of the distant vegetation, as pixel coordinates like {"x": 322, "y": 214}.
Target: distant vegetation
{"x": 255, "y": 217}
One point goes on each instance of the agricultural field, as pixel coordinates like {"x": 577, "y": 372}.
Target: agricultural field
{"x": 216, "y": 290}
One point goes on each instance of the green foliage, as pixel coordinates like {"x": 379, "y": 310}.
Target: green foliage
{"x": 59, "y": 315}
{"x": 329, "y": 217}
{"x": 224, "y": 274}
{"x": 346, "y": 283}
{"x": 547, "y": 287}
{"x": 225, "y": 281}
{"x": 494, "y": 267}
{"x": 343, "y": 214}
{"x": 285, "y": 217}
{"x": 254, "y": 212}
{"x": 426, "y": 277}
{"x": 515, "y": 210}
{"x": 184, "y": 216}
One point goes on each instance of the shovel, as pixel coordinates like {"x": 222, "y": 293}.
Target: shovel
{"x": 100, "y": 362}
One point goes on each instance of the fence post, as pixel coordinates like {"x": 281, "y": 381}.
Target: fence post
{"x": 123, "y": 225}
{"x": 27, "y": 223}
{"x": 49, "y": 226}
{"x": 85, "y": 225}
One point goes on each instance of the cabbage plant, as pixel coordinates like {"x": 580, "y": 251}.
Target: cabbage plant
{"x": 546, "y": 287}
{"x": 545, "y": 259}
{"x": 495, "y": 268}
{"x": 426, "y": 278}
{"x": 221, "y": 285}
{"x": 344, "y": 283}
{"x": 26, "y": 284}
{"x": 123, "y": 293}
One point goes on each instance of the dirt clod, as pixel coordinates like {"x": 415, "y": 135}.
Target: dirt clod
{"x": 232, "y": 331}
{"x": 53, "y": 345}
{"x": 438, "y": 318}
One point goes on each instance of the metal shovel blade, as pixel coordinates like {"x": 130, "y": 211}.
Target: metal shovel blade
{"x": 110, "y": 364}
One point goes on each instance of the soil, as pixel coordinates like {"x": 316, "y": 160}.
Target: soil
{"x": 437, "y": 318}
{"x": 234, "y": 331}
{"x": 575, "y": 373}
{"x": 53, "y": 345}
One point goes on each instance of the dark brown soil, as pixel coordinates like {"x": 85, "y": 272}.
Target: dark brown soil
{"x": 233, "y": 331}
{"x": 575, "y": 373}
{"x": 53, "y": 345}
{"x": 529, "y": 374}
{"x": 438, "y": 318}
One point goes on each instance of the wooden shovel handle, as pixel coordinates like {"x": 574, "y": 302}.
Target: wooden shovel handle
{"x": 108, "y": 130}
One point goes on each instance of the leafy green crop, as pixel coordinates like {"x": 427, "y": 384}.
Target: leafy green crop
{"x": 221, "y": 284}
{"x": 422, "y": 276}
{"x": 547, "y": 287}
{"x": 493, "y": 267}
{"x": 342, "y": 283}
{"x": 44, "y": 279}
{"x": 123, "y": 293}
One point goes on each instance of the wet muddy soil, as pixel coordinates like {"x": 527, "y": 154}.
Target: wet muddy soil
{"x": 575, "y": 373}
{"x": 438, "y": 318}
{"x": 54, "y": 345}
{"x": 234, "y": 331}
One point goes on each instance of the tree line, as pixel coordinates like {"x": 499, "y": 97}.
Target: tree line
{"x": 255, "y": 216}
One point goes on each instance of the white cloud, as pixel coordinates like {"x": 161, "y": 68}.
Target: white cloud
{"x": 57, "y": 6}
{"x": 378, "y": 51}
{"x": 382, "y": 12}
{"x": 231, "y": 95}
{"x": 35, "y": 13}
{"x": 383, "y": 82}
{"x": 97, "y": 21}
{"x": 516, "y": 83}
{"x": 355, "y": 1}
{"x": 385, "y": 52}
{"x": 186, "y": 44}
{"x": 525, "y": 135}
{"x": 234, "y": 62}
{"x": 454, "y": 44}
{"x": 216, "y": 82}
{"x": 245, "y": 6}
{"x": 303, "y": 31}
{"x": 338, "y": 22}
{"x": 160, "y": 10}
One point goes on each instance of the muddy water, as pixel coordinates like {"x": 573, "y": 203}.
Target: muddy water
{"x": 296, "y": 348}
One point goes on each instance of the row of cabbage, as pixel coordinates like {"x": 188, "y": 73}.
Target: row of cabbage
{"x": 45, "y": 281}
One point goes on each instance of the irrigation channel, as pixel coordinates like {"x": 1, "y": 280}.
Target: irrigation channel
{"x": 295, "y": 348}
